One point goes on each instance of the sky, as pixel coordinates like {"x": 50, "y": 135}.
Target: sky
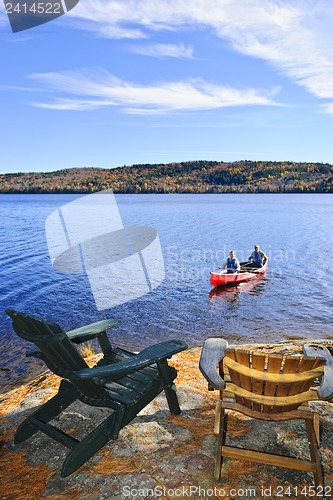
{"x": 123, "y": 82}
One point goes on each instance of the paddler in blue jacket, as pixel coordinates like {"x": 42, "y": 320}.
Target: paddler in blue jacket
{"x": 257, "y": 257}
{"x": 232, "y": 264}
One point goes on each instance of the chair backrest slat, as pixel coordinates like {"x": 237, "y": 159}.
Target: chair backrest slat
{"x": 290, "y": 366}
{"x": 306, "y": 365}
{"x": 258, "y": 362}
{"x": 243, "y": 357}
{"x": 274, "y": 362}
{"x": 234, "y": 376}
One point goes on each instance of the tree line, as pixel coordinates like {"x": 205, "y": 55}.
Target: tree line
{"x": 243, "y": 176}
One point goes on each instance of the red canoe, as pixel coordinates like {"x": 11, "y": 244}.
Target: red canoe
{"x": 223, "y": 278}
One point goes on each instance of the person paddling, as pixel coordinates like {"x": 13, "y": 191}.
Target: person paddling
{"x": 232, "y": 264}
{"x": 257, "y": 257}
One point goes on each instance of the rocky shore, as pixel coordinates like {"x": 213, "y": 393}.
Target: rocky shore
{"x": 157, "y": 455}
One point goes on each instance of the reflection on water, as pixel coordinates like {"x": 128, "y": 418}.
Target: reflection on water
{"x": 227, "y": 293}
{"x": 231, "y": 293}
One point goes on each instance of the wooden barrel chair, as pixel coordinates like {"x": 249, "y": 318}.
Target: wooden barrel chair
{"x": 270, "y": 387}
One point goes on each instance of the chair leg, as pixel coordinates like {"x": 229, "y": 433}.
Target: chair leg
{"x": 220, "y": 442}
{"x": 217, "y": 421}
{"x": 169, "y": 387}
{"x": 65, "y": 397}
{"x": 314, "y": 451}
{"x": 89, "y": 445}
{"x": 316, "y": 427}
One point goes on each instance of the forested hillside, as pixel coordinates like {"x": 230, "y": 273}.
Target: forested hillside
{"x": 186, "y": 177}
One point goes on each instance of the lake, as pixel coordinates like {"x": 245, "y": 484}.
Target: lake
{"x": 294, "y": 300}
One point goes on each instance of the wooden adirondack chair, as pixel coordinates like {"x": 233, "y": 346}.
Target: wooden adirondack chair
{"x": 122, "y": 381}
{"x": 267, "y": 387}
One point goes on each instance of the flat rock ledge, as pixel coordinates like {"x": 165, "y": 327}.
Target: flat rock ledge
{"x": 158, "y": 455}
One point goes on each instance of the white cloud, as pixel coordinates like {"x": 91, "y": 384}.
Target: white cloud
{"x": 165, "y": 50}
{"x": 99, "y": 89}
{"x": 294, "y": 37}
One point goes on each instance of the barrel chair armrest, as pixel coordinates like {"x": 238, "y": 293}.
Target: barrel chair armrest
{"x": 325, "y": 390}
{"x": 211, "y": 355}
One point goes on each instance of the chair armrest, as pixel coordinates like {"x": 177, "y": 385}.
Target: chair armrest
{"x": 211, "y": 355}
{"x": 89, "y": 332}
{"x": 146, "y": 357}
{"x": 325, "y": 390}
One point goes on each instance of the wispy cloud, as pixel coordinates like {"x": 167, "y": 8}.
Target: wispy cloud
{"x": 18, "y": 87}
{"x": 63, "y": 104}
{"x": 328, "y": 108}
{"x": 21, "y": 39}
{"x": 293, "y": 37}
{"x": 96, "y": 89}
{"x": 162, "y": 50}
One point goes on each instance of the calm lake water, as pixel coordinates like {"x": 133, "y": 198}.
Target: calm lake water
{"x": 294, "y": 300}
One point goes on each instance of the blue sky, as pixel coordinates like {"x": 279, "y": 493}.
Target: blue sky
{"x": 155, "y": 81}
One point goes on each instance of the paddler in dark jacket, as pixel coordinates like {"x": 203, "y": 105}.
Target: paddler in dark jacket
{"x": 258, "y": 257}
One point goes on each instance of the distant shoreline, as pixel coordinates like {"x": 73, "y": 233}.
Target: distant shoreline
{"x": 162, "y": 194}
{"x": 193, "y": 177}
